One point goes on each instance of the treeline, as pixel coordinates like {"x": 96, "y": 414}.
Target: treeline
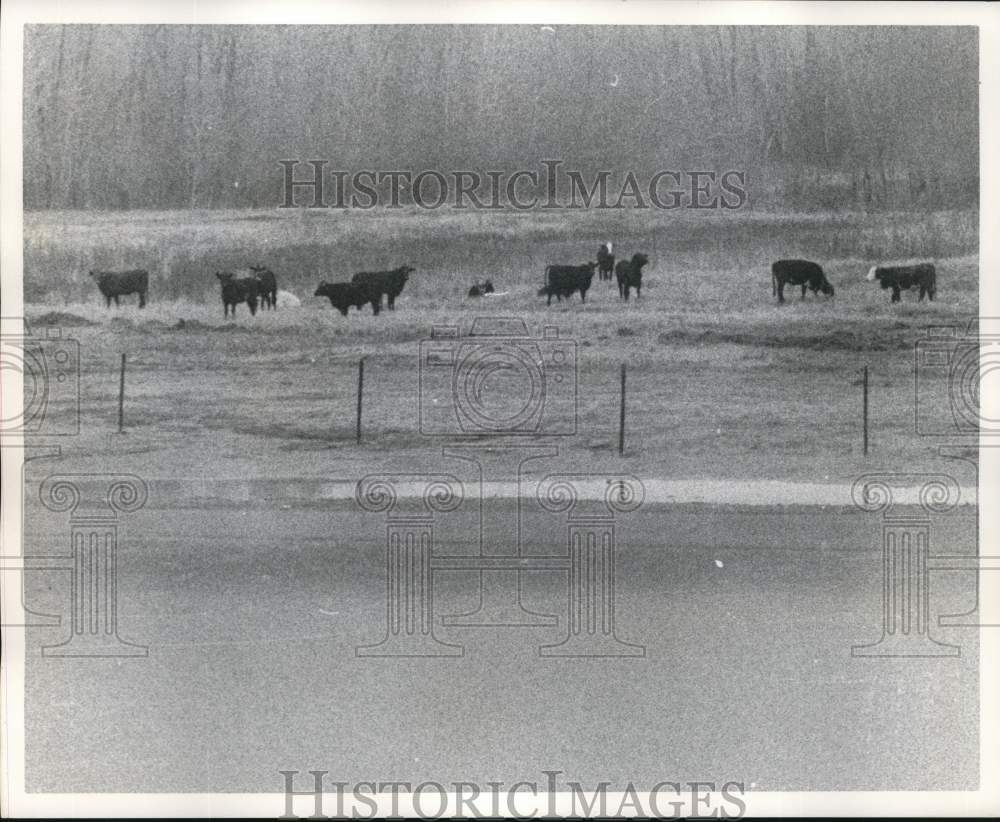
{"x": 119, "y": 117}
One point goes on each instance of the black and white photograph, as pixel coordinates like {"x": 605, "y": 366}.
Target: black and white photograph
{"x": 557, "y": 410}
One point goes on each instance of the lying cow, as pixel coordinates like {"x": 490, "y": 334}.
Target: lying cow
{"x": 562, "y": 280}
{"x": 605, "y": 261}
{"x": 390, "y": 283}
{"x": 478, "y": 290}
{"x": 798, "y": 272}
{"x": 115, "y": 284}
{"x": 897, "y": 277}
{"x": 267, "y": 286}
{"x": 629, "y": 275}
{"x": 343, "y": 295}
{"x": 237, "y": 290}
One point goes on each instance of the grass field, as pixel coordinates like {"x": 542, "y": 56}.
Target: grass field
{"x": 181, "y": 250}
{"x": 722, "y": 381}
{"x": 252, "y": 607}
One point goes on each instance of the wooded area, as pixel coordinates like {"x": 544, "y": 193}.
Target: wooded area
{"x": 119, "y": 117}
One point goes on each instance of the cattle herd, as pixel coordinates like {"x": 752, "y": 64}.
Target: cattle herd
{"x": 260, "y": 287}
{"x": 366, "y": 287}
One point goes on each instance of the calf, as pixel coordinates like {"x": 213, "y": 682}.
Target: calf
{"x": 605, "y": 261}
{"x": 236, "y": 291}
{"x": 343, "y": 295}
{"x": 798, "y": 272}
{"x": 390, "y": 283}
{"x": 115, "y": 284}
{"x": 922, "y": 276}
{"x": 267, "y": 286}
{"x": 629, "y": 274}
{"x": 563, "y": 280}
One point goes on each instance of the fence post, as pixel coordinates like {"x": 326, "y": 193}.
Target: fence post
{"x": 864, "y": 409}
{"x": 121, "y": 399}
{"x": 621, "y": 417}
{"x": 361, "y": 389}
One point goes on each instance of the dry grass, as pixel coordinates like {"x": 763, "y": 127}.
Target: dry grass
{"x": 452, "y": 249}
{"x": 723, "y": 382}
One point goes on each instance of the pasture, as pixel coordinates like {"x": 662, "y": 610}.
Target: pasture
{"x": 230, "y": 587}
{"x": 722, "y": 381}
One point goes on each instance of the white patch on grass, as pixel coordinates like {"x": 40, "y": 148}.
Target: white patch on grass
{"x": 286, "y": 299}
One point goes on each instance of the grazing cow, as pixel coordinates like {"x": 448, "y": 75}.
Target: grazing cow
{"x": 563, "y": 280}
{"x": 115, "y": 284}
{"x": 629, "y": 274}
{"x": 343, "y": 295}
{"x": 237, "y": 290}
{"x": 798, "y": 272}
{"x": 389, "y": 283}
{"x": 899, "y": 277}
{"x": 478, "y": 290}
{"x": 267, "y": 286}
{"x": 605, "y": 261}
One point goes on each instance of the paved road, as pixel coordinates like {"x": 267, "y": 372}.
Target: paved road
{"x": 252, "y": 617}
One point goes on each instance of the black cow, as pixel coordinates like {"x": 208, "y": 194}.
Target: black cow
{"x": 343, "y": 295}
{"x": 922, "y": 276}
{"x": 562, "y": 280}
{"x": 237, "y": 290}
{"x": 390, "y": 283}
{"x": 798, "y": 272}
{"x": 115, "y": 284}
{"x": 478, "y": 289}
{"x": 267, "y": 286}
{"x": 605, "y": 261}
{"x": 629, "y": 274}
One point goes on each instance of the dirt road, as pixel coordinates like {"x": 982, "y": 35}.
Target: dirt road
{"x": 252, "y": 615}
